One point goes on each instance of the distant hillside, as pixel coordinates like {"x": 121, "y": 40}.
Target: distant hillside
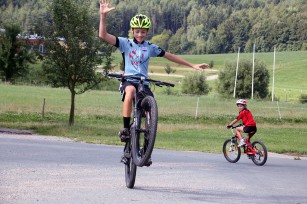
{"x": 190, "y": 26}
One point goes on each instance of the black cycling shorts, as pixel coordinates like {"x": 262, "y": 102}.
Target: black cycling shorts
{"x": 124, "y": 84}
{"x": 248, "y": 129}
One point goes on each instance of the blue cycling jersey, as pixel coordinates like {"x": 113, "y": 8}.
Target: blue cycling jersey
{"x": 136, "y": 55}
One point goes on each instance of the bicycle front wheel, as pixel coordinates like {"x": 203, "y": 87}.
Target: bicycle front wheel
{"x": 261, "y": 153}
{"x": 145, "y": 133}
{"x": 231, "y": 151}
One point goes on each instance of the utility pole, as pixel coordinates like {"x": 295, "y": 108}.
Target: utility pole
{"x": 234, "y": 90}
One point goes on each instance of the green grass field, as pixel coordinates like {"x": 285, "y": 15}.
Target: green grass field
{"x": 98, "y": 118}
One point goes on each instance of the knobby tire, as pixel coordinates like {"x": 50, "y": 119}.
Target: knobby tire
{"x": 130, "y": 167}
{"x": 145, "y": 132}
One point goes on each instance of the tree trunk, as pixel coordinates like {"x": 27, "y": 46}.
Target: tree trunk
{"x": 72, "y": 108}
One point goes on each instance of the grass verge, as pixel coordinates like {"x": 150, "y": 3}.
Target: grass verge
{"x": 187, "y": 134}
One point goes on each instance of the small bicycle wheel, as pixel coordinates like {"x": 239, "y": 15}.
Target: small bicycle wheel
{"x": 261, "y": 153}
{"x": 130, "y": 167}
{"x": 231, "y": 151}
{"x": 145, "y": 133}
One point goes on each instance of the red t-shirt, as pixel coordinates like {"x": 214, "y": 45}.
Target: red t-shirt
{"x": 246, "y": 117}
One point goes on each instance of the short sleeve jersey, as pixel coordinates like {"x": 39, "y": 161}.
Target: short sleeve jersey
{"x": 246, "y": 117}
{"x": 136, "y": 55}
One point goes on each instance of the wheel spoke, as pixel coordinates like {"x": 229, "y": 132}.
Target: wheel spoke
{"x": 231, "y": 151}
{"x": 261, "y": 153}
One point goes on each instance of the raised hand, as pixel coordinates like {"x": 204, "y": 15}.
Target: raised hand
{"x": 104, "y": 6}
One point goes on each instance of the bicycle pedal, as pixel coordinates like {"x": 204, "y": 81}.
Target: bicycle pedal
{"x": 124, "y": 135}
{"x": 124, "y": 160}
{"x": 124, "y": 139}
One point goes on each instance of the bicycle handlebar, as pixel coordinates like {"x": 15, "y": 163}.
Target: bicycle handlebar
{"x": 156, "y": 82}
{"x": 233, "y": 127}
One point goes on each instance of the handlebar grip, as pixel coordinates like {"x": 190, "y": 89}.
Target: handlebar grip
{"x": 169, "y": 84}
{"x": 114, "y": 75}
{"x": 160, "y": 83}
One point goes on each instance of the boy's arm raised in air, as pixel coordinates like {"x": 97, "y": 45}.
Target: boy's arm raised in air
{"x": 103, "y": 34}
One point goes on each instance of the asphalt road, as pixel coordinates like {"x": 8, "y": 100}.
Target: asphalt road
{"x": 40, "y": 169}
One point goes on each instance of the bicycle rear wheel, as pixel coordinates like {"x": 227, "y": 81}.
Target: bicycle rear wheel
{"x": 231, "y": 151}
{"x": 261, "y": 153}
{"x": 130, "y": 167}
{"x": 145, "y": 133}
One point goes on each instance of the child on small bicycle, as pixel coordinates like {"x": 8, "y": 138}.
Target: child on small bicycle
{"x": 249, "y": 125}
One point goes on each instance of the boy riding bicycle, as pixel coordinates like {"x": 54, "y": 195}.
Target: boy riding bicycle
{"x": 249, "y": 125}
{"x": 136, "y": 53}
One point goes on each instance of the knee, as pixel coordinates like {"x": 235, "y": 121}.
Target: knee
{"x": 251, "y": 134}
{"x": 129, "y": 94}
{"x": 240, "y": 131}
{"x": 129, "y": 91}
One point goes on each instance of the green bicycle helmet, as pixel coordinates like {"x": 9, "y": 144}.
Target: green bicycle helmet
{"x": 140, "y": 21}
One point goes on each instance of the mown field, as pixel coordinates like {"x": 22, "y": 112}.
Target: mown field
{"x": 98, "y": 119}
{"x": 282, "y": 125}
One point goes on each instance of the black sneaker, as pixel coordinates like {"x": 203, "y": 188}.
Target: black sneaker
{"x": 124, "y": 134}
{"x": 148, "y": 163}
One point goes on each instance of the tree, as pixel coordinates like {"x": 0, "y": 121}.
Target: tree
{"x": 212, "y": 46}
{"x": 195, "y": 84}
{"x": 280, "y": 23}
{"x": 162, "y": 39}
{"x": 174, "y": 43}
{"x": 14, "y": 56}
{"x": 72, "y": 57}
{"x": 244, "y": 80}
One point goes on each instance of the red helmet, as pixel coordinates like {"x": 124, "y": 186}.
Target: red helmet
{"x": 241, "y": 101}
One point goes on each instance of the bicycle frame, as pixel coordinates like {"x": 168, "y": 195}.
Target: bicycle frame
{"x": 248, "y": 149}
{"x": 137, "y": 100}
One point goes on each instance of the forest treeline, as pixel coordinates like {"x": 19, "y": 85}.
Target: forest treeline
{"x": 188, "y": 26}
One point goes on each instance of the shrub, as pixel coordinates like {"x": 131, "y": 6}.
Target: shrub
{"x": 303, "y": 98}
{"x": 211, "y": 64}
{"x": 244, "y": 80}
{"x": 195, "y": 84}
{"x": 169, "y": 91}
